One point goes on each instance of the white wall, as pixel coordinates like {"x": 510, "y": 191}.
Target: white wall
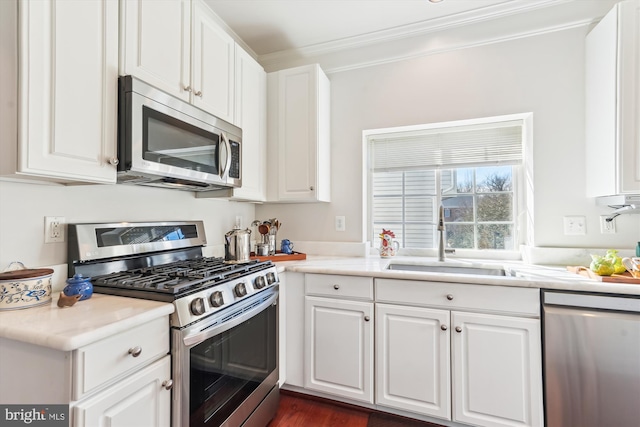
{"x": 542, "y": 74}
{"x": 24, "y": 206}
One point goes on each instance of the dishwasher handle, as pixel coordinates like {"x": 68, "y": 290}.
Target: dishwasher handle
{"x": 585, "y": 300}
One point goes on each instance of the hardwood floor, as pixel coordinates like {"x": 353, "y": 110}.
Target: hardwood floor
{"x": 297, "y": 410}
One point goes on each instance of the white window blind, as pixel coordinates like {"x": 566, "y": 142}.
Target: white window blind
{"x": 448, "y": 147}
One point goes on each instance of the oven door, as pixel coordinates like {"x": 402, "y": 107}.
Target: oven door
{"x": 225, "y": 367}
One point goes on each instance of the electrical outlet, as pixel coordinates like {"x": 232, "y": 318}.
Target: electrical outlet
{"x": 340, "y": 223}
{"x": 54, "y": 229}
{"x": 238, "y": 221}
{"x": 575, "y": 225}
{"x": 607, "y": 227}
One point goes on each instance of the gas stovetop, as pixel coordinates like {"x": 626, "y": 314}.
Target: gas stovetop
{"x": 173, "y": 280}
{"x": 163, "y": 261}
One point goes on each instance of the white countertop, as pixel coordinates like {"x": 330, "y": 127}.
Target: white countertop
{"x": 85, "y": 322}
{"x": 100, "y": 316}
{"x": 526, "y": 276}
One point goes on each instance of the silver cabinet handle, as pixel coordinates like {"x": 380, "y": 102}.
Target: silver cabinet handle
{"x": 135, "y": 351}
{"x": 443, "y": 327}
{"x": 458, "y": 329}
{"x": 336, "y": 287}
{"x": 450, "y": 297}
{"x": 114, "y": 161}
{"x": 198, "y": 93}
{"x": 367, "y": 318}
{"x": 168, "y": 384}
{"x": 187, "y": 88}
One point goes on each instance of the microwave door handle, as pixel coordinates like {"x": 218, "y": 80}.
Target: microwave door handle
{"x": 227, "y": 160}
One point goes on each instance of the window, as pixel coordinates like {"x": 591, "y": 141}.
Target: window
{"x": 473, "y": 169}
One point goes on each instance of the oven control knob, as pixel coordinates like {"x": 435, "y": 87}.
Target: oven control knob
{"x": 197, "y": 306}
{"x": 216, "y": 299}
{"x": 271, "y": 278}
{"x": 259, "y": 282}
{"x": 240, "y": 289}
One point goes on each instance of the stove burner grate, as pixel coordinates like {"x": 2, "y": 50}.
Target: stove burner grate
{"x": 176, "y": 277}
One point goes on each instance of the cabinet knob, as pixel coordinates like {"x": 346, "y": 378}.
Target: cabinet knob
{"x": 443, "y": 327}
{"x": 336, "y": 287}
{"x": 114, "y": 161}
{"x": 135, "y": 351}
{"x": 450, "y": 297}
{"x": 198, "y": 93}
{"x": 367, "y": 318}
{"x": 311, "y": 188}
{"x": 458, "y": 329}
{"x": 187, "y": 88}
{"x": 168, "y": 384}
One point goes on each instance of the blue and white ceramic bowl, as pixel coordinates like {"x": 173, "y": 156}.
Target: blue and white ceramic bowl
{"x": 22, "y": 287}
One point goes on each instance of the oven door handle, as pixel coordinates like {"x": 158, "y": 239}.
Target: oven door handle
{"x": 203, "y": 333}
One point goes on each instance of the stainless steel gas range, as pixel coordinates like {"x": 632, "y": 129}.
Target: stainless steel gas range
{"x": 224, "y": 329}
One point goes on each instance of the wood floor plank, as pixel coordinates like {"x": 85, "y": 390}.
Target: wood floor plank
{"x": 298, "y": 410}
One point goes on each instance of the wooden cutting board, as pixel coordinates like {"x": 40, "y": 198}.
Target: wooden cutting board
{"x": 625, "y": 277}
{"x": 279, "y": 256}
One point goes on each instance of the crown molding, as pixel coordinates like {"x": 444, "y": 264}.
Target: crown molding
{"x": 495, "y": 24}
{"x": 420, "y": 28}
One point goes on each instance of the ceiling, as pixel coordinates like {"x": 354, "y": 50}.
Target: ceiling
{"x": 344, "y": 34}
{"x": 269, "y": 26}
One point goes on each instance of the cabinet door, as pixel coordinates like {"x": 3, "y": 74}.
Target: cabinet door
{"x": 497, "y": 370}
{"x": 251, "y": 116}
{"x": 140, "y": 400}
{"x": 629, "y": 90}
{"x": 303, "y": 135}
{"x": 68, "y": 88}
{"x": 412, "y": 359}
{"x": 213, "y": 53}
{"x": 339, "y": 347}
{"x": 155, "y": 43}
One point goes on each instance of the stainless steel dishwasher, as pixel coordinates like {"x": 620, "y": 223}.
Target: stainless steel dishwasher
{"x": 591, "y": 360}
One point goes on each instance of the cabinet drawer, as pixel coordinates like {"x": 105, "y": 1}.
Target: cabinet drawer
{"x": 339, "y": 286}
{"x": 99, "y": 363}
{"x": 485, "y": 298}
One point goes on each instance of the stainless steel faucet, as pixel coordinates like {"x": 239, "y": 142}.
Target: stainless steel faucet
{"x": 441, "y": 233}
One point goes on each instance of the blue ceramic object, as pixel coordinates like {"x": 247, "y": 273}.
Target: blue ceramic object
{"x": 78, "y": 285}
{"x": 286, "y": 247}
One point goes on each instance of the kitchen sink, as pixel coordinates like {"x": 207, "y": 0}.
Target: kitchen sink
{"x": 451, "y": 269}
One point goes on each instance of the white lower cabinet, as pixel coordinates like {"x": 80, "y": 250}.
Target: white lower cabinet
{"x": 496, "y": 370}
{"x": 412, "y": 359}
{"x": 467, "y": 354}
{"x": 120, "y": 380}
{"x": 453, "y": 360}
{"x": 338, "y": 336}
{"x": 142, "y": 399}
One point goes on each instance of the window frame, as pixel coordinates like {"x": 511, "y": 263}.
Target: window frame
{"x": 522, "y": 187}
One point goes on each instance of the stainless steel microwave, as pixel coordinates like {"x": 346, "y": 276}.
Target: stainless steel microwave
{"x": 166, "y": 142}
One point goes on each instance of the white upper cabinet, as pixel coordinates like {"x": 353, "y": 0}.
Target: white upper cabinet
{"x": 155, "y": 44}
{"x": 213, "y": 63}
{"x": 251, "y": 116}
{"x": 613, "y": 103}
{"x": 298, "y": 135}
{"x": 177, "y": 46}
{"x": 59, "y": 92}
